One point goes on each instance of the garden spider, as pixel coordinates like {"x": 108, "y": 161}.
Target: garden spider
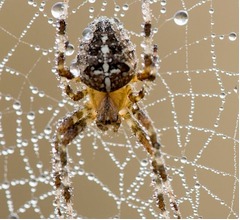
{"x": 106, "y": 63}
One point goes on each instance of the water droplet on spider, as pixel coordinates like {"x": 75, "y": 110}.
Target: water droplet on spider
{"x": 16, "y": 105}
{"x": 58, "y": 10}
{"x": 87, "y": 34}
{"x": 232, "y": 36}
{"x": 69, "y": 50}
{"x": 181, "y": 17}
{"x": 33, "y": 182}
{"x": 74, "y": 69}
{"x": 31, "y": 116}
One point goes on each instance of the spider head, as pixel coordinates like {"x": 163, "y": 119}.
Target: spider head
{"x": 106, "y": 57}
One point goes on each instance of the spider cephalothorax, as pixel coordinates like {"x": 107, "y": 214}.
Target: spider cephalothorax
{"x": 106, "y": 57}
{"x": 107, "y": 65}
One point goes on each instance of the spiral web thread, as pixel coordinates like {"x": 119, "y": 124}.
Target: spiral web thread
{"x": 193, "y": 105}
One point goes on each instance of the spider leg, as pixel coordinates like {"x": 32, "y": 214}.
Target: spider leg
{"x": 62, "y": 70}
{"x": 75, "y": 96}
{"x": 67, "y": 131}
{"x": 163, "y": 185}
{"x": 142, "y": 138}
{"x": 150, "y": 53}
{"x": 146, "y": 122}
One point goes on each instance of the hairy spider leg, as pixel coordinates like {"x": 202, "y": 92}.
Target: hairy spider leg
{"x": 155, "y": 154}
{"x": 66, "y": 132}
{"x": 149, "y": 52}
{"x": 157, "y": 163}
{"x": 64, "y": 71}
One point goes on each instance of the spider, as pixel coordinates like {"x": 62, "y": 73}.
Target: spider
{"x": 107, "y": 65}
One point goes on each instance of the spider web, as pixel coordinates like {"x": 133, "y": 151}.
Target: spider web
{"x": 193, "y": 105}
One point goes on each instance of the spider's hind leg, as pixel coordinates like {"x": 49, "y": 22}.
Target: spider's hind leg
{"x": 163, "y": 186}
{"x": 66, "y": 132}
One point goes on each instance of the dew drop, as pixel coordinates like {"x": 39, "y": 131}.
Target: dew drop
{"x": 74, "y": 69}
{"x": 31, "y": 116}
{"x": 211, "y": 11}
{"x": 125, "y": 7}
{"x": 181, "y": 17}
{"x": 117, "y": 8}
{"x": 183, "y": 159}
{"x": 232, "y": 36}
{"x": 16, "y": 105}
{"x": 197, "y": 185}
{"x": 91, "y": 177}
{"x": 5, "y": 185}
{"x": 48, "y": 130}
{"x": 222, "y": 95}
{"x": 163, "y": 10}
{"x": 30, "y": 2}
{"x": 87, "y": 34}
{"x": 69, "y": 50}
{"x": 13, "y": 216}
{"x": 37, "y": 47}
{"x": 58, "y": 10}
{"x": 33, "y": 182}
{"x": 91, "y": 1}
{"x": 144, "y": 162}
{"x": 163, "y": 2}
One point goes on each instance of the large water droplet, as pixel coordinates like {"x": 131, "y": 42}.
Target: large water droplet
{"x": 181, "y": 17}
{"x": 16, "y": 105}
{"x": 232, "y": 36}
{"x": 74, "y": 69}
{"x": 69, "y": 50}
{"x": 31, "y": 116}
{"x": 87, "y": 33}
{"x": 58, "y": 10}
{"x": 48, "y": 130}
{"x": 125, "y": 7}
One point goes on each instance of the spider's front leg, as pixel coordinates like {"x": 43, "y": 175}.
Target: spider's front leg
{"x": 150, "y": 51}
{"x": 63, "y": 71}
{"x": 69, "y": 128}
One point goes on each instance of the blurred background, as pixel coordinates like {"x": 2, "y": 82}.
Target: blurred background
{"x": 193, "y": 105}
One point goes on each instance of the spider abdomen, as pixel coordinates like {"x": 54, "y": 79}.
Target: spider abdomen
{"x": 106, "y": 56}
